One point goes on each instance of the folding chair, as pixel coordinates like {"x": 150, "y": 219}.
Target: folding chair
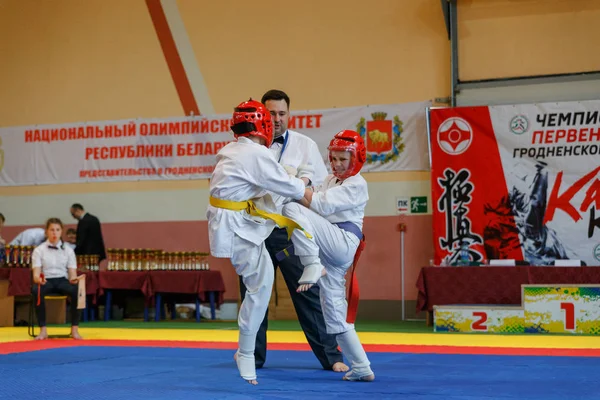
{"x": 33, "y": 318}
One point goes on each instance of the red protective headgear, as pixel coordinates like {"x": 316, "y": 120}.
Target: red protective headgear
{"x": 252, "y": 118}
{"x": 351, "y": 142}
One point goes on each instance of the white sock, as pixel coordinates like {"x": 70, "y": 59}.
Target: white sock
{"x": 245, "y": 356}
{"x": 247, "y": 343}
{"x": 354, "y": 352}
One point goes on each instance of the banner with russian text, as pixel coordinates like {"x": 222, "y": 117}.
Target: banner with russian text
{"x": 185, "y": 148}
{"x": 517, "y": 182}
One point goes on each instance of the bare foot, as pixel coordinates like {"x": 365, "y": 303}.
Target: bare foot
{"x": 43, "y": 334}
{"x": 75, "y": 333}
{"x": 305, "y": 286}
{"x": 340, "y": 367}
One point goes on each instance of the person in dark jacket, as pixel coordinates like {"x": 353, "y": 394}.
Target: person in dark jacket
{"x": 89, "y": 233}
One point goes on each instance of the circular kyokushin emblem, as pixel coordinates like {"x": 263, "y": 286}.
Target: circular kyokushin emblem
{"x": 454, "y": 136}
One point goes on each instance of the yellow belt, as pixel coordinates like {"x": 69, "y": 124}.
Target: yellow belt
{"x": 250, "y": 207}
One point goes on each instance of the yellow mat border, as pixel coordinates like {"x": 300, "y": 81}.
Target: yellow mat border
{"x": 368, "y": 338}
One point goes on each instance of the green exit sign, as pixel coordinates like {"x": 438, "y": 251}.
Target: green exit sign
{"x": 418, "y": 205}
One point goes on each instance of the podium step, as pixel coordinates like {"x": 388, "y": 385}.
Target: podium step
{"x": 559, "y": 308}
{"x": 478, "y": 318}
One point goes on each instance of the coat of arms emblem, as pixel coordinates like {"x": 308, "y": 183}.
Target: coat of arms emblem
{"x": 383, "y": 137}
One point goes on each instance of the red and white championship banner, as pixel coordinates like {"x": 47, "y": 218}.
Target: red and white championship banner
{"x": 517, "y": 182}
{"x": 186, "y": 148}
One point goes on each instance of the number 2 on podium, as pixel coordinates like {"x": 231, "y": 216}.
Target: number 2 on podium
{"x": 479, "y": 325}
{"x": 569, "y": 315}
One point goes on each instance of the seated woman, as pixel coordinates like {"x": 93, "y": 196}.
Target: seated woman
{"x": 54, "y": 272}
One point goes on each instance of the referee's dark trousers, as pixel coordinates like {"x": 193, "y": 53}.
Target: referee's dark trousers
{"x": 307, "y": 305}
{"x": 60, "y": 286}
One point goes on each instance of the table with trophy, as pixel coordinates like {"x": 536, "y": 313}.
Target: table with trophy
{"x": 16, "y": 262}
{"x": 154, "y": 273}
{"x": 158, "y": 273}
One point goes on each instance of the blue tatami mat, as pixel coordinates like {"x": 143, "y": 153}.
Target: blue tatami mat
{"x": 166, "y": 373}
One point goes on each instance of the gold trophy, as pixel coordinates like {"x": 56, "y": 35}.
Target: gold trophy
{"x": 8, "y": 255}
{"x": 15, "y": 256}
{"x": 157, "y": 260}
{"x": 143, "y": 264}
{"x": 188, "y": 260}
{"x": 120, "y": 266}
{"x": 124, "y": 261}
{"x": 24, "y": 256}
{"x": 193, "y": 260}
{"x": 32, "y": 248}
{"x": 180, "y": 260}
{"x": 132, "y": 255}
{"x": 150, "y": 259}
{"x": 163, "y": 261}
{"x": 170, "y": 257}
{"x": 140, "y": 261}
{"x": 111, "y": 259}
{"x": 145, "y": 261}
{"x": 175, "y": 261}
{"x": 25, "y": 262}
{"x": 183, "y": 262}
{"x": 136, "y": 260}
{"x": 116, "y": 259}
{"x": 132, "y": 259}
{"x": 28, "y": 251}
{"x": 196, "y": 261}
{"x": 21, "y": 254}
{"x": 127, "y": 260}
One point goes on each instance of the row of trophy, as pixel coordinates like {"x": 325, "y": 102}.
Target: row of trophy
{"x": 88, "y": 263}
{"x": 16, "y": 256}
{"x": 20, "y": 257}
{"x": 154, "y": 260}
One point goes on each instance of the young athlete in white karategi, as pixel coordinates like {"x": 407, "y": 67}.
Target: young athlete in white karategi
{"x": 241, "y": 216}
{"x": 334, "y": 218}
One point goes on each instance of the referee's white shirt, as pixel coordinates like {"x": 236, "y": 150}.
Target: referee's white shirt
{"x": 54, "y": 261}
{"x": 299, "y": 149}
